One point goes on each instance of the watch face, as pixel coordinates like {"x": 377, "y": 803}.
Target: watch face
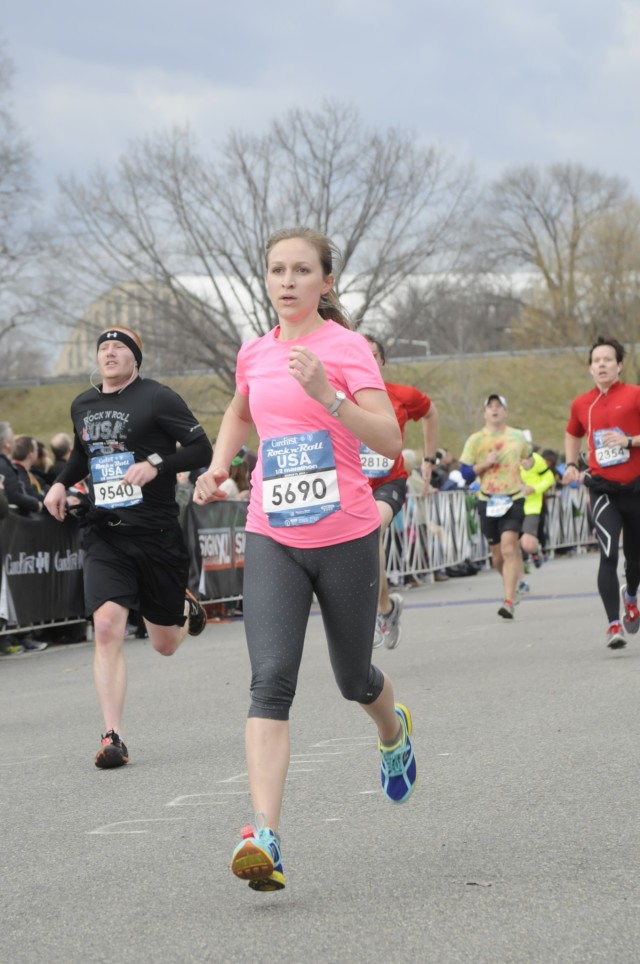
{"x": 155, "y": 460}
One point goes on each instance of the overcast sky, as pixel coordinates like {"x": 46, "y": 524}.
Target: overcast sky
{"x": 494, "y": 82}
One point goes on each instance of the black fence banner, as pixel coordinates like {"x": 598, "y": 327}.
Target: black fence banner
{"x": 215, "y": 538}
{"x": 41, "y": 570}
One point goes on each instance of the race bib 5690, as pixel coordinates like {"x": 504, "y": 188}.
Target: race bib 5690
{"x": 299, "y": 478}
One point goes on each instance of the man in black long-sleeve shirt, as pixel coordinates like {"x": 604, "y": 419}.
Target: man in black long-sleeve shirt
{"x": 131, "y": 436}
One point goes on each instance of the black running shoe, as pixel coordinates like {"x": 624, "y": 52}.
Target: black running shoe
{"x": 112, "y": 752}
{"x": 507, "y": 610}
{"x": 197, "y": 616}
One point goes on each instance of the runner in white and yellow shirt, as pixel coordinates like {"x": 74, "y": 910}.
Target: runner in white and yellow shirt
{"x": 494, "y": 455}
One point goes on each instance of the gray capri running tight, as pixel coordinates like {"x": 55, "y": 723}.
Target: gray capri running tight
{"x": 279, "y": 583}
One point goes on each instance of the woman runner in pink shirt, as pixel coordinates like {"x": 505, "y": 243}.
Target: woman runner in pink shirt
{"x": 314, "y": 392}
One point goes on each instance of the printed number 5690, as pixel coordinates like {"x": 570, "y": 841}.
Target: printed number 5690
{"x": 298, "y": 491}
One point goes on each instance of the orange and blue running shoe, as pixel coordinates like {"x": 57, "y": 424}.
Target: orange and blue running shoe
{"x": 398, "y": 769}
{"x": 258, "y": 858}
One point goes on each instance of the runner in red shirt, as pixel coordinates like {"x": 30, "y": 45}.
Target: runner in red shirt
{"x": 389, "y": 483}
{"x": 609, "y": 415}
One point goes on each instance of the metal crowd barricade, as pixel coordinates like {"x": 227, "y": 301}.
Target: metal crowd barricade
{"x": 443, "y": 529}
{"x": 41, "y": 560}
{"x": 569, "y": 519}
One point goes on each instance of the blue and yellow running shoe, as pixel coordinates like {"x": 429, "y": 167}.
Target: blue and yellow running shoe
{"x": 398, "y": 770}
{"x": 257, "y": 858}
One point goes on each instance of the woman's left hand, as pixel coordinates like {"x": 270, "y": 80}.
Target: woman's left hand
{"x": 308, "y": 370}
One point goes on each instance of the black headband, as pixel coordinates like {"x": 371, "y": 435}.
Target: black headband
{"x": 115, "y": 335}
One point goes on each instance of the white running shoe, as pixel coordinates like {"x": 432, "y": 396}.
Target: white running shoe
{"x": 615, "y": 636}
{"x": 631, "y": 615}
{"x": 390, "y": 623}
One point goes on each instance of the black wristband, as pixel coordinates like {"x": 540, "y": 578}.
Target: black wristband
{"x": 574, "y": 464}
{"x": 430, "y": 458}
{"x": 629, "y": 441}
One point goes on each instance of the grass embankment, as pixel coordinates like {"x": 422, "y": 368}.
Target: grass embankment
{"x": 538, "y": 388}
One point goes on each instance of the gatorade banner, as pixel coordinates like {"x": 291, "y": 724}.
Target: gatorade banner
{"x": 41, "y": 570}
{"x": 215, "y": 538}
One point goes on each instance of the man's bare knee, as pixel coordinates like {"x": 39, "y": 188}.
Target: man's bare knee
{"x": 165, "y": 639}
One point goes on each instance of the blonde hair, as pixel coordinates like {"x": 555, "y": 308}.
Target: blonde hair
{"x": 329, "y": 305}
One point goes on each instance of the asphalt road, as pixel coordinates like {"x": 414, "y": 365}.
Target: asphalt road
{"x": 520, "y": 844}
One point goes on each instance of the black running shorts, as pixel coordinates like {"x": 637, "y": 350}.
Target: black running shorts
{"x": 394, "y": 493}
{"x": 147, "y": 571}
{"x": 511, "y": 521}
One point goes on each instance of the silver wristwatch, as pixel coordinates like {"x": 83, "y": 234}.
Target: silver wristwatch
{"x": 337, "y": 402}
{"x": 156, "y": 461}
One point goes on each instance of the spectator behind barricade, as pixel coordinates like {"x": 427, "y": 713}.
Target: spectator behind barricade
{"x": 415, "y": 492}
{"x": 552, "y": 458}
{"x": 415, "y": 482}
{"x": 25, "y": 453}
{"x": 446, "y": 474}
{"x": 430, "y": 530}
{"x": 61, "y": 446}
{"x": 237, "y": 485}
{"x": 43, "y": 468}
{"x": 456, "y": 479}
{"x": 250, "y": 458}
{"x": 14, "y": 494}
{"x": 78, "y": 494}
{"x": 4, "y": 502}
{"x": 441, "y": 469}
{"x": 14, "y": 490}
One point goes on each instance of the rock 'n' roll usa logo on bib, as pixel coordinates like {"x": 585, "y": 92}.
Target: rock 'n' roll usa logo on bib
{"x": 299, "y": 478}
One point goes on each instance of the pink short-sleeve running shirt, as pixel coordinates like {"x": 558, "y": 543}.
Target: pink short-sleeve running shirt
{"x": 282, "y": 410}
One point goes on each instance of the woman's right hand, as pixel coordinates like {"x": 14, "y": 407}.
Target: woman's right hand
{"x": 207, "y": 486}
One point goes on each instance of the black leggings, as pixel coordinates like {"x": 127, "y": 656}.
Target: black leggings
{"x": 613, "y": 514}
{"x": 279, "y": 583}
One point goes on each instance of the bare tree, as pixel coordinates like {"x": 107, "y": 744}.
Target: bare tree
{"x": 612, "y": 261}
{"x": 458, "y": 314}
{"x": 20, "y": 242}
{"x": 542, "y": 222}
{"x": 191, "y": 230}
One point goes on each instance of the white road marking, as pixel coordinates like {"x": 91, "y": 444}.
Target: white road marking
{"x": 108, "y": 827}
{"x": 195, "y": 799}
{"x": 27, "y": 759}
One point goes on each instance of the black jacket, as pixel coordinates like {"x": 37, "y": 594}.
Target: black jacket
{"x": 14, "y": 489}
